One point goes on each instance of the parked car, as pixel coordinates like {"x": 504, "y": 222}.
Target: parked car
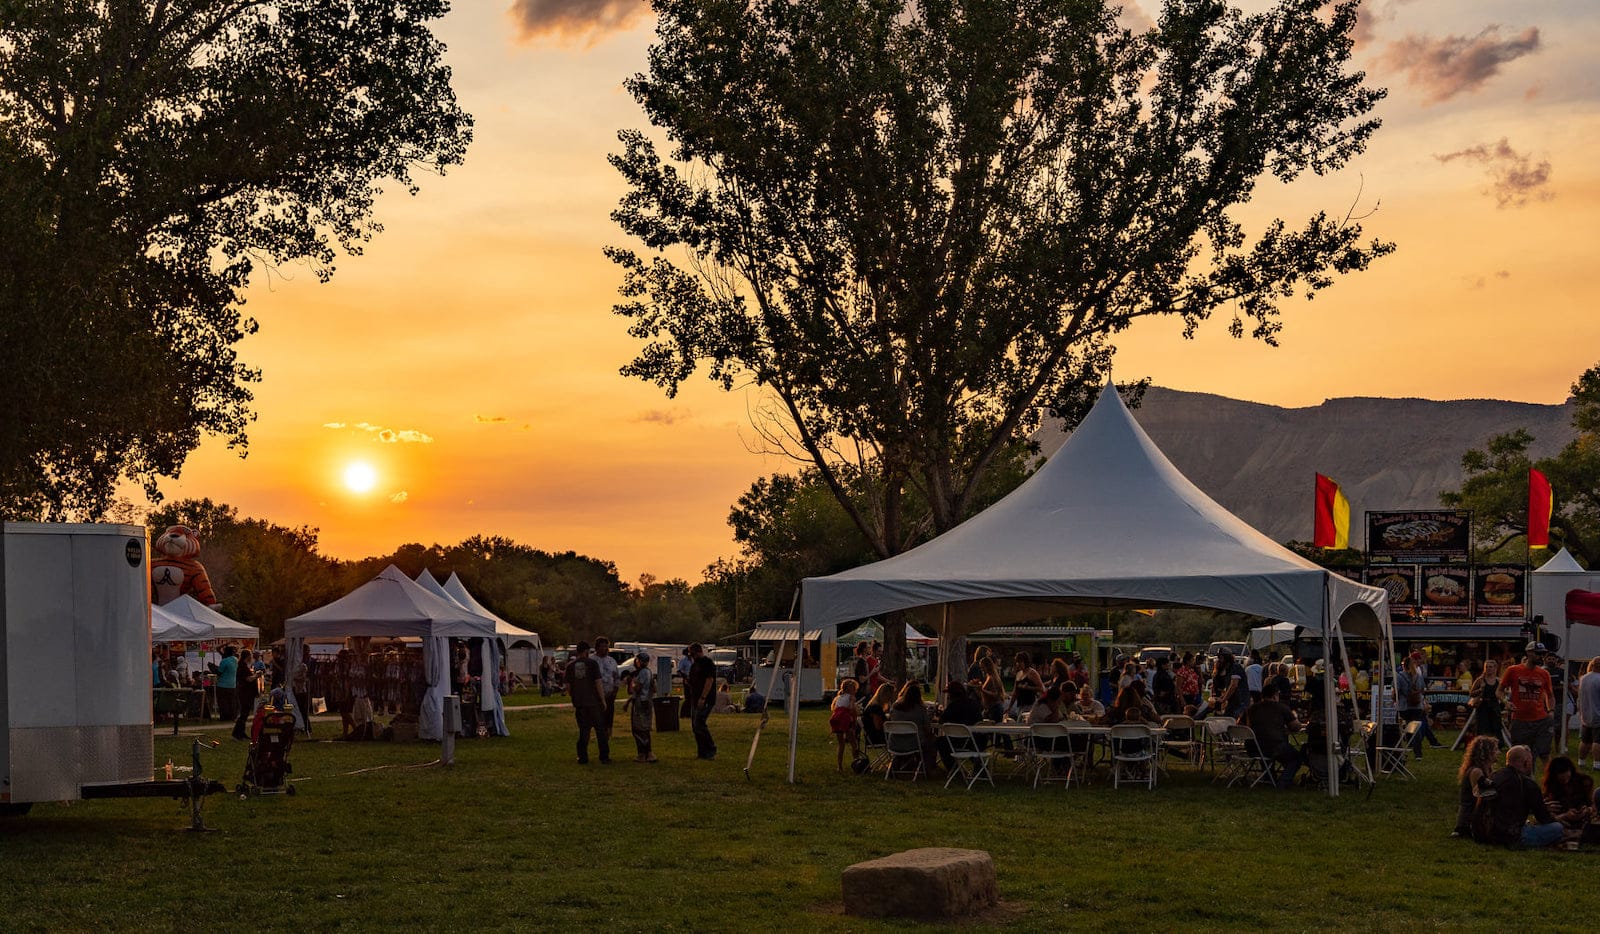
{"x": 1149, "y": 652}
{"x": 727, "y": 663}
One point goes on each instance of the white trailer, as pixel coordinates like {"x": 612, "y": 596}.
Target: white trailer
{"x": 74, "y": 660}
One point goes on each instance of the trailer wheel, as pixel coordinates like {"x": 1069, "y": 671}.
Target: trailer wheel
{"x": 15, "y": 808}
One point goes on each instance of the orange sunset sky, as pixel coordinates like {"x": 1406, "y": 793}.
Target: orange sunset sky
{"x": 470, "y": 355}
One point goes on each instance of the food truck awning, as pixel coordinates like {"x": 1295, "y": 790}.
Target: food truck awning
{"x": 775, "y": 632}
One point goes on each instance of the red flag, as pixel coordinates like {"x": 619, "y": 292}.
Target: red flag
{"x": 1332, "y": 528}
{"x": 1540, "y": 507}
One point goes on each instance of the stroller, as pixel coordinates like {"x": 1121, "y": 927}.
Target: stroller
{"x": 266, "y": 767}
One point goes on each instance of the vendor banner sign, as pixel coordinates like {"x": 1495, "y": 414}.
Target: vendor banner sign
{"x": 1446, "y": 592}
{"x": 1434, "y": 537}
{"x": 1501, "y": 591}
{"x": 1400, "y": 582}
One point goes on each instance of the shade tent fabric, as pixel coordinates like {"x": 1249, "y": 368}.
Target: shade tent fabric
{"x": 1548, "y": 587}
{"x": 507, "y": 631}
{"x": 1107, "y": 522}
{"x": 1583, "y": 607}
{"x": 393, "y": 605}
{"x": 491, "y": 650}
{"x": 197, "y": 622}
{"x": 1264, "y": 636}
{"x": 872, "y": 631}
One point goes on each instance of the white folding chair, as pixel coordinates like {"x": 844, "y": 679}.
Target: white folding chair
{"x": 1081, "y": 738}
{"x": 1363, "y": 732}
{"x": 904, "y": 741}
{"x": 972, "y": 763}
{"x": 1133, "y": 755}
{"x": 1182, "y": 740}
{"x": 1392, "y": 759}
{"x": 1215, "y": 740}
{"x": 1052, "y": 746}
{"x": 1253, "y": 766}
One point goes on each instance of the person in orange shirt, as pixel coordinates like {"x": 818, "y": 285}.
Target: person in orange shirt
{"x": 1526, "y": 692}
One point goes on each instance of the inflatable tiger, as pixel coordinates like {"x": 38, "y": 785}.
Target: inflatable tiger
{"x": 175, "y": 568}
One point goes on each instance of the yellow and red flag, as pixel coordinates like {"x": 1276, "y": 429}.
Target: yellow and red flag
{"x": 1332, "y": 528}
{"x": 1541, "y": 506}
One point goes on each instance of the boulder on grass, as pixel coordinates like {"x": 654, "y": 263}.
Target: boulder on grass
{"x": 934, "y": 882}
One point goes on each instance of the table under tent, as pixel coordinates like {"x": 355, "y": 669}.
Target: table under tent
{"x": 394, "y": 606}
{"x": 1106, "y": 523}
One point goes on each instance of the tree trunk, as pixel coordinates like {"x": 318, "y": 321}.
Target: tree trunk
{"x": 894, "y": 646}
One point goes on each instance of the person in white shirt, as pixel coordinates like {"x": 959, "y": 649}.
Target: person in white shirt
{"x": 1252, "y": 677}
{"x": 608, "y": 682}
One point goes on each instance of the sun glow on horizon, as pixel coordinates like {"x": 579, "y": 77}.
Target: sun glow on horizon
{"x": 359, "y": 477}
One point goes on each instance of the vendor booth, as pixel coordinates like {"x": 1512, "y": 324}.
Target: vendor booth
{"x": 1106, "y": 523}
{"x": 185, "y": 619}
{"x": 392, "y": 606}
{"x": 775, "y": 647}
{"x": 522, "y": 647}
{"x": 490, "y": 651}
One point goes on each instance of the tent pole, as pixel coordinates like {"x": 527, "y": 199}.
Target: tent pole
{"x": 941, "y": 675}
{"x": 792, "y": 697}
{"x": 1566, "y": 675}
{"x": 1330, "y": 714}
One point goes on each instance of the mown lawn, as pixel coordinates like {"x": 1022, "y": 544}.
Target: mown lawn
{"x": 517, "y": 836}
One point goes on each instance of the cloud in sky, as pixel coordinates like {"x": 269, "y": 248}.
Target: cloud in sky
{"x": 1514, "y": 178}
{"x": 386, "y": 435}
{"x": 567, "y": 19}
{"x": 663, "y": 416}
{"x": 1445, "y": 67}
{"x": 488, "y": 419}
{"x": 400, "y": 497}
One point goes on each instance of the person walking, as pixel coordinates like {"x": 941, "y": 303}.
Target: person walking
{"x": 608, "y": 682}
{"x": 700, "y": 693}
{"x": 641, "y": 694}
{"x": 245, "y": 691}
{"x": 583, "y": 684}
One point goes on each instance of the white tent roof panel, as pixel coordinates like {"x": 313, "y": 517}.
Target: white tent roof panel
{"x": 390, "y": 604}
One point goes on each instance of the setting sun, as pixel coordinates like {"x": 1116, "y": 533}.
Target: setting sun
{"x": 359, "y": 477}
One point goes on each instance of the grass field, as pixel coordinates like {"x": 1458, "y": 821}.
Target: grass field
{"x": 517, "y": 836}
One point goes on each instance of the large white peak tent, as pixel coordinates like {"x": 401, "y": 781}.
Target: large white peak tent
{"x": 192, "y": 616}
{"x": 1107, "y": 522}
{"x": 392, "y": 605}
{"x": 489, "y": 656}
{"x": 507, "y": 631}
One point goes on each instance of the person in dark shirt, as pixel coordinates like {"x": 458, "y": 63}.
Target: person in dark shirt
{"x": 960, "y": 707}
{"x": 1515, "y": 798}
{"x": 1165, "y": 688}
{"x": 701, "y": 693}
{"x": 588, "y": 704}
{"x": 1272, "y": 721}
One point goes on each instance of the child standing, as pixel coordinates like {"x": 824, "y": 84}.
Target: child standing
{"x": 843, "y": 720}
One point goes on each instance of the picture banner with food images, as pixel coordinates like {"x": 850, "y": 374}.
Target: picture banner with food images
{"x": 1400, "y": 581}
{"x": 1501, "y": 591}
{"x": 1446, "y": 591}
{"x": 1429, "y": 537}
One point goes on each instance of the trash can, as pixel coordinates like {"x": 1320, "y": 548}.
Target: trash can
{"x": 666, "y": 709}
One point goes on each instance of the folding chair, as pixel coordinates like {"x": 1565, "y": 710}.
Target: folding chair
{"x": 1252, "y": 764}
{"x": 1081, "y": 738}
{"x": 1215, "y": 740}
{"x": 1392, "y": 759}
{"x": 1133, "y": 755}
{"x": 875, "y": 748}
{"x": 971, "y": 762}
{"x": 1052, "y": 745}
{"x": 1181, "y": 740}
{"x": 1363, "y": 731}
{"x": 903, "y": 741}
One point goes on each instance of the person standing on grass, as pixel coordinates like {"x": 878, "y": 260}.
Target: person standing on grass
{"x": 842, "y": 721}
{"x": 608, "y": 682}
{"x": 1253, "y": 676}
{"x": 641, "y": 693}
{"x": 1589, "y": 714}
{"x": 588, "y": 704}
{"x": 700, "y": 693}
{"x": 1516, "y": 798}
{"x": 1525, "y": 689}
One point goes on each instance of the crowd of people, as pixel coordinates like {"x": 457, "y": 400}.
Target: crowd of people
{"x": 593, "y": 680}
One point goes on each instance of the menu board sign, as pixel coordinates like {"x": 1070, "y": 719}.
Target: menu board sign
{"x": 1400, "y": 581}
{"x": 1501, "y": 591}
{"x": 1446, "y": 591}
{"x": 1437, "y": 537}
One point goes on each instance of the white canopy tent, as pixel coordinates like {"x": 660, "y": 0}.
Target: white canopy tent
{"x": 1263, "y": 637}
{"x": 189, "y": 615}
{"x": 1548, "y": 586}
{"x": 164, "y": 627}
{"x": 392, "y": 605}
{"x": 490, "y": 654}
{"x": 1107, "y": 522}
{"x": 506, "y": 631}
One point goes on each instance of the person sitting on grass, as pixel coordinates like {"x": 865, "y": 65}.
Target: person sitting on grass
{"x": 1476, "y": 765}
{"x": 842, "y": 720}
{"x": 1514, "y": 799}
{"x": 724, "y": 700}
{"x": 1272, "y": 721}
{"x": 1569, "y": 795}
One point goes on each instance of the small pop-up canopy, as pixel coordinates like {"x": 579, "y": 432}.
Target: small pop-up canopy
{"x": 393, "y": 605}
{"x": 194, "y": 616}
{"x": 1107, "y": 522}
{"x": 164, "y": 627}
{"x": 1583, "y": 607}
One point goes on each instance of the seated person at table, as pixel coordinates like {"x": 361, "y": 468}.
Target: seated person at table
{"x": 875, "y": 713}
{"x": 1047, "y": 709}
{"x": 1088, "y": 708}
{"x": 908, "y": 708}
{"x": 1515, "y": 799}
{"x": 1272, "y": 721}
{"x": 1133, "y": 698}
{"x": 961, "y": 706}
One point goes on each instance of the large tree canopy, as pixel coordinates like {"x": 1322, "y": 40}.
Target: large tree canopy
{"x": 917, "y": 225}
{"x": 153, "y": 153}
{"x": 1496, "y": 485}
